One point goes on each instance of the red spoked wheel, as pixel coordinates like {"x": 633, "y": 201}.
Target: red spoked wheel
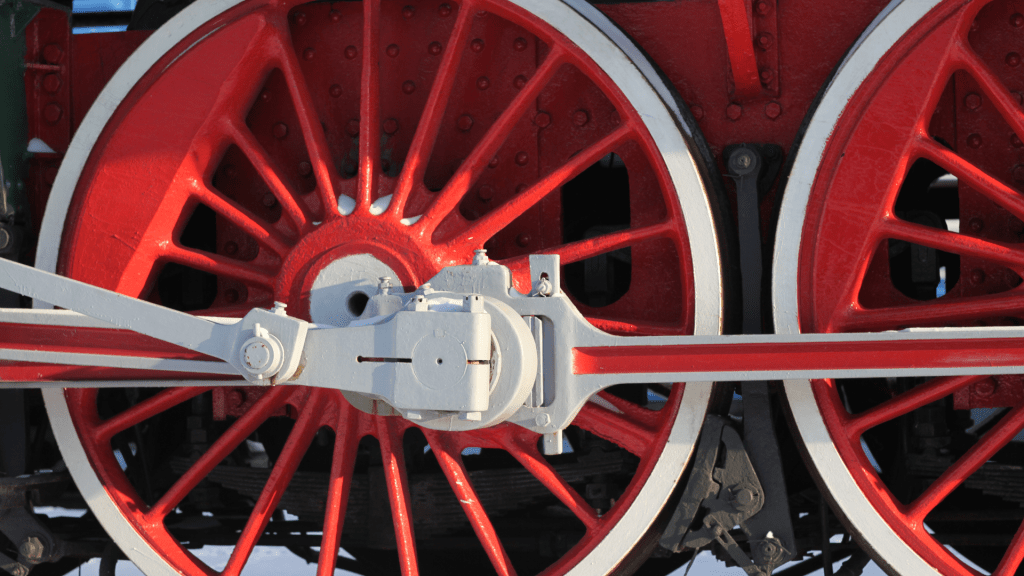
{"x": 263, "y": 151}
{"x": 904, "y": 210}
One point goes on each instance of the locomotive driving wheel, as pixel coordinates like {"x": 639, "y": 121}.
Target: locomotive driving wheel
{"x": 904, "y": 209}
{"x": 262, "y": 151}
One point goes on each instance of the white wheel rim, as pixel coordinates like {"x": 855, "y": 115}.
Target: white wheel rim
{"x": 642, "y": 86}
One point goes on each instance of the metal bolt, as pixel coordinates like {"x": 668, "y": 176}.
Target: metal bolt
{"x": 477, "y": 45}
{"x": 985, "y": 388}
{"x": 308, "y": 54}
{"x": 544, "y": 287}
{"x": 480, "y": 257}
{"x": 523, "y": 240}
{"x": 305, "y": 169}
{"x": 299, "y": 18}
{"x": 19, "y": 570}
{"x": 978, "y": 276}
{"x": 482, "y": 83}
{"x": 697, "y": 111}
{"x": 580, "y": 118}
{"x": 435, "y": 48}
{"x": 392, "y": 50}
{"x": 765, "y": 40}
{"x": 280, "y": 308}
{"x": 519, "y": 44}
{"x": 390, "y": 126}
{"x": 522, "y": 158}
{"x": 465, "y": 122}
{"x": 384, "y": 285}
{"x": 773, "y": 110}
{"x": 493, "y": 163}
{"x": 280, "y": 130}
{"x": 51, "y": 82}
{"x": 1013, "y": 59}
{"x": 444, "y": 9}
{"x": 762, "y": 7}
{"x": 426, "y": 289}
{"x": 351, "y": 52}
{"x": 972, "y": 101}
{"x": 335, "y": 90}
{"x": 743, "y": 160}
{"x": 352, "y": 128}
{"x": 734, "y": 111}
{"x": 744, "y": 497}
{"x": 335, "y": 16}
{"x": 519, "y": 82}
{"x": 767, "y": 75}
{"x": 52, "y": 53}
{"x": 53, "y": 112}
{"x": 409, "y": 87}
{"x": 408, "y": 12}
{"x": 1017, "y": 20}
{"x": 974, "y": 140}
{"x": 975, "y": 225}
{"x": 269, "y": 200}
{"x": 485, "y": 193}
{"x": 542, "y": 120}
{"x": 542, "y": 419}
{"x": 230, "y": 248}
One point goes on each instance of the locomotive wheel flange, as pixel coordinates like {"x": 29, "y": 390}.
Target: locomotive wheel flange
{"x": 246, "y": 146}
{"x": 911, "y": 151}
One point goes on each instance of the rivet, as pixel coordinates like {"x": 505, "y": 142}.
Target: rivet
{"x": 976, "y": 225}
{"x": 762, "y": 7}
{"x": 697, "y": 111}
{"x": 465, "y": 122}
{"x": 51, "y": 82}
{"x": 972, "y": 101}
{"x": 1015, "y": 141}
{"x": 974, "y": 140}
{"x": 542, "y": 120}
{"x": 408, "y": 12}
{"x": 985, "y": 388}
{"x": 493, "y": 163}
{"x": 52, "y": 53}
{"x": 308, "y": 54}
{"x": 269, "y": 200}
{"x": 264, "y": 96}
{"x": 444, "y": 9}
{"x": 231, "y": 295}
{"x": 483, "y": 83}
{"x": 523, "y": 240}
{"x": 734, "y": 111}
{"x": 390, "y": 126}
{"x": 230, "y": 248}
{"x": 280, "y": 130}
{"x": 392, "y": 50}
{"x": 522, "y": 158}
{"x": 305, "y": 169}
{"x": 580, "y": 118}
{"x": 351, "y": 52}
{"x": 335, "y": 90}
{"x": 767, "y": 75}
{"x": 352, "y": 128}
{"x": 335, "y": 16}
{"x": 52, "y": 113}
{"x": 434, "y": 48}
{"x": 977, "y": 276}
{"x": 519, "y": 44}
{"x": 773, "y": 110}
{"x": 1013, "y": 59}
{"x": 485, "y": 193}
{"x": 477, "y": 45}
{"x": 1017, "y": 20}
{"x": 765, "y": 40}
{"x": 409, "y": 87}
{"x": 519, "y": 82}
{"x": 300, "y": 18}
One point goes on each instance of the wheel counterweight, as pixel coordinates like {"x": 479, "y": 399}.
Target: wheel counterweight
{"x": 253, "y": 152}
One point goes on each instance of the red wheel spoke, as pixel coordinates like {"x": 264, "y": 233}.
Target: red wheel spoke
{"x": 1007, "y": 255}
{"x": 312, "y": 130}
{"x": 622, "y": 327}
{"x": 990, "y": 84}
{"x": 502, "y": 216}
{"x": 978, "y": 179}
{"x": 1012, "y": 557}
{"x": 228, "y": 441}
{"x": 647, "y": 418}
{"x": 145, "y": 410}
{"x": 433, "y": 113}
{"x": 450, "y": 460}
{"x": 968, "y": 464}
{"x": 584, "y": 249}
{"x": 389, "y": 433}
{"x": 369, "y": 106}
{"x": 492, "y": 141}
{"x": 346, "y": 444}
{"x": 287, "y": 463}
{"x": 242, "y": 218}
{"x": 218, "y": 265}
{"x": 907, "y": 402}
{"x": 617, "y": 428}
{"x": 253, "y": 150}
{"x": 931, "y": 313}
{"x": 524, "y": 448}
